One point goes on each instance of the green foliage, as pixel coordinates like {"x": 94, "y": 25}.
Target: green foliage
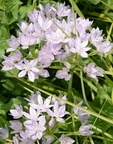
{"x": 12, "y": 90}
{"x": 95, "y": 2}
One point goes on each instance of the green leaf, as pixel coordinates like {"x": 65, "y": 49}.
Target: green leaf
{"x": 3, "y": 122}
{"x": 110, "y": 15}
{"x": 95, "y": 2}
{"x": 24, "y": 10}
{"x": 3, "y": 47}
{"x": 8, "y": 85}
{"x": 2, "y": 6}
{"x": 13, "y": 71}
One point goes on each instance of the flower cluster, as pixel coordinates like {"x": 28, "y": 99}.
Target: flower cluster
{"x": 41, "y": 121}
{"x": 54, "y": 34}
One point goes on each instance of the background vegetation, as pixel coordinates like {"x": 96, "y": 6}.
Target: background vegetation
{"x": 98, "y": 96}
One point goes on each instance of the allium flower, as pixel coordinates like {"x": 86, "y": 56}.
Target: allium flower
{"x": 63, "y": 74}
{"x": 35, "y": 129}
{"x": 48, "y": 139}
{"x": 104, "y": 47}
{"x": 33, "y": 16}
{"x": 84, "y": 130}
{"x": 59, "y": 102}
{"x": 11, "y": 61}
{"x": 28, "y": 67}
{"x": 49, "y": 10}
{"x": 66, "y": 140}
{"x": 38, "y": 34}
{"x": 42, "y": 105}
{"x": 4, "y": 133}
{"x": 42, "y": 72}
{"x": 26, "y": 40}
{"x": 33, "y": 114}
{"x": 13, "y": 43}
{"x": 27, "y": 141}
{"x": 44, "y": 23}
{"x": 58, "y": 112}
{"x": 26, "y": 28}
{"x": 79, "y": 47}
{"x": 16, "y": 126}
{"x": 93, "y": 71}
{"x": 16, "y": 113}
{"x": 63, "y": 10}
{"x": 54, "y": 48}
{"x": 96, "y": 36}
{"x": 83, "y": 24}
{"x": 34, "y": 97}
{"x": 56, "y": 37}
{"x": 64, "y": 54}
{"x": 82, "y": 115}
{"x": 45, "y": 56}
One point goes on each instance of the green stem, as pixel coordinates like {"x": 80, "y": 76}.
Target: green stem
{"x": 76, "y": 8}
{"x": 83, "y": 90}
{"x": 69, "y": 94}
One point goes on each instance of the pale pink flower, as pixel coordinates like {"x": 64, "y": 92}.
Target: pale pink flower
{"x": 13, "y": 43}
{"x": 96, "y": 36}
{"x": 48, "y": 139}
{"x": 63, "y": 74}
{"x": 85, "y": 130}
{"x": 42, "y": 105}
{"x": 33, "y": 16}
{"x": 63, "y": 10}
{"x": 11, "y": 60}
{"x": 45, "y": 56}
{"x": 4, "y": 133}
{"x": 16, "y": 126}
{"x": 93, "y": 71}
{"x": 58, "y": 112}
{"x": 33, "y": 114}
{"x": 44, "y": 23}
{"x": 59, "y": 101}
{"x": 83, "y": 24}
{"x": 66, "y": 140}
{"x": 26, "y": 28}
{"x": 79, "y": 47}
{"x": 56, "y": 37}
{"x": 35, "y": 129}
{"x": 29, "y": 68}
{"x": 82, "y": 115}
{"x": 104, "y": 47}
{"x": 49, "y": 10}
{"x": 26, "y": 40}
{"x": 17, "y": 112}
